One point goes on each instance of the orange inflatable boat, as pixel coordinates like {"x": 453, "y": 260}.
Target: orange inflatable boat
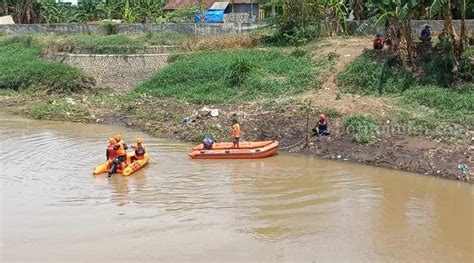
{"x": 246, "y": 150}
{"x": 131, "y": 167}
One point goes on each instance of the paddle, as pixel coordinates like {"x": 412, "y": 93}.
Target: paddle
{"x": 153, "y": 159}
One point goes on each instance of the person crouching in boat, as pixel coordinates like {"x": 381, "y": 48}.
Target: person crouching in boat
{"x": 322, "y": 126}
{"x": 207, "y": 143}
{"x": 111, "y": 151}
{"x": 235, "y": 133}
{"x": 139, "y": 150}
{"x": 121, "y": 155}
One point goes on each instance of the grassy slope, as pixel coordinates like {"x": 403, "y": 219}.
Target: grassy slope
{"x": 108, "y": 44}
{"x": 21, "y": 67}
{"x": 367, "y": 77}
{"x": 204, "y": 77}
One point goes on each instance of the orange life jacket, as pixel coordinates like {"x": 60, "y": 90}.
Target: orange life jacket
{"x": 236, "y": 130}
{"x": 139, "y": 151}
{"x": 111, "y": 152}
{"x": 121, "y": 149}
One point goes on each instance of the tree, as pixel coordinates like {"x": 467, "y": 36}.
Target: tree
{"x": 395, "y": 15}
{"x": 445, "y": 7}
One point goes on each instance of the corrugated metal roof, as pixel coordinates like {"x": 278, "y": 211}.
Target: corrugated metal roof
{"x": 177, "y": 4}
{"x": 219, "y": 6}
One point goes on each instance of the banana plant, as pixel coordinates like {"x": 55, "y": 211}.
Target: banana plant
{"x": 445, "y": 7}
{"x": 395, "y": 16}
{"x": 336, "y": 11}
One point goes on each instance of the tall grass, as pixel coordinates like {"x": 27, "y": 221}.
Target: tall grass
{"x": 204, "y": 77}
{"x": 21, "y": 67}
{"x": 366, "y": 76}
{"x": 362, "y": 127}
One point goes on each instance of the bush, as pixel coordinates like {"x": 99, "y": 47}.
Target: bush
{"x": 239, "y": 71}
{"x": 363, "y": 128}
{"x": 57, "y": 110}
{"x": 204, "y": 77}
{"x": 466, "y": 67}
{"x": 21, "y": 68}
{"x": 366, "y": 76}
{"x": 110, "y": 28}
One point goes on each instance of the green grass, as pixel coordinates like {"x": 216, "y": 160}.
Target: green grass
{"x": 366, "y": 76}
{"x": 22, "y": 68}
{"x": 57, "y": 110}
{"x": 362, "y": 128}
{"x": 452, "y": 106}
{"x": 204, "y": 77}
{"x": 109, "y": 44}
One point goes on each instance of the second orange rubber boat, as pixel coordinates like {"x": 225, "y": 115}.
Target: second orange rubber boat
{"x": 246, "y": 150}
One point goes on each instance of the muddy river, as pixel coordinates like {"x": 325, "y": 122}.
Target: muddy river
{"x": 288, "y": 208}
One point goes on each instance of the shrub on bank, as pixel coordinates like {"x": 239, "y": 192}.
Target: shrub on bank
{"x": 204, "y": 77}
{"x": 362, "y": 128}
{"x": 21, "y": 67}
{"x": 366, "y": 76}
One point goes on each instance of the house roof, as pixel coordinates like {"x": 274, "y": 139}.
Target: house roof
{"x": 219, "y": 6}
{"x": 177, "y": 4}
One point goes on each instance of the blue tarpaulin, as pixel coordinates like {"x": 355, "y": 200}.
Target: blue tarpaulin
{"x": 197, "y": 17}
{"x": 214, "y": 16}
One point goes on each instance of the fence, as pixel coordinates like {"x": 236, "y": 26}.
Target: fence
{"x": 201, "y": 29}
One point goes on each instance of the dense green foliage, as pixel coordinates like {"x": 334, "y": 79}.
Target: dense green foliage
{"x": 204, "y": 77}
{"x": 21, "y": 67}
{"x": 371, "y": 74}
{"x": 130, "y": 11}
{"x": 367, "y": 76}
{"x": 363, "y": 128}
{"x": 57, "y": 110}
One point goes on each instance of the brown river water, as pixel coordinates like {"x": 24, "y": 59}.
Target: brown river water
{"x": 287, "y": 208}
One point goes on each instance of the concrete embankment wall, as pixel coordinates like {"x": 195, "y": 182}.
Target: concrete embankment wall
{"x": 200, "y": 29}
{"x": 119, "y": 72}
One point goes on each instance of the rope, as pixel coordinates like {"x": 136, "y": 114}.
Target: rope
{"x": 291, "y": 146}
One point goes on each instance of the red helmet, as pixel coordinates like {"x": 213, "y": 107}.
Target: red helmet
{"x": 322, "y": 117}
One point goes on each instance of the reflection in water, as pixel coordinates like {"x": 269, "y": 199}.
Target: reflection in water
{"x": 285, "y": 208}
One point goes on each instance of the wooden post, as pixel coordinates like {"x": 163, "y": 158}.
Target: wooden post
{"x": 307, "y": 123}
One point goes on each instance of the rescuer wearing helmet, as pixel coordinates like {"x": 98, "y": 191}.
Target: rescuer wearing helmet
{"x": 121, "y": 148}
{"x": 111, "y": 152}
{"x": 322, "y": 126}
{"x": 139, "y": 150}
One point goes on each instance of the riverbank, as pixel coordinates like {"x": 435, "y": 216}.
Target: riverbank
{"x": 276, "y": 93}
{"x": 285, "y": 121}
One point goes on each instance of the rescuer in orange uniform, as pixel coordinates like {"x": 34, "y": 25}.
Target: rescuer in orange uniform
{"x": 139, "y": 150}
{"x": 121, "y": 148}
{"x": 235, "y": 133}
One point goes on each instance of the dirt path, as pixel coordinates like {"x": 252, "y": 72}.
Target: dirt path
{"x": 329, "y": 94}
